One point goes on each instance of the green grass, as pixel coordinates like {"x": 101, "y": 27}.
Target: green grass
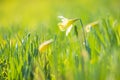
{"x": 67, "y": 58}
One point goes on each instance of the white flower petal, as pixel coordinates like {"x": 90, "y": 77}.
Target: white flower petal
{"x": 63, "y": 19}
{"x": 68, "y": 30}
{"x": 88, "y": 28}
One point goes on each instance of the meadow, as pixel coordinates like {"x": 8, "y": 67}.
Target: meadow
{"x": 34, "y": 45}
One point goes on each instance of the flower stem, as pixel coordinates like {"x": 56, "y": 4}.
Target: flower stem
{"x": 83, "y": 31}
{"x": 82, "y": 58}
{"x": 87, "y": 47}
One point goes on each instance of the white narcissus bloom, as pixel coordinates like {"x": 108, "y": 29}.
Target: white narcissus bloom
{"x": 66, "y": 24}
{"x": 45, "y": 45}
{"x": 89, "y": 26}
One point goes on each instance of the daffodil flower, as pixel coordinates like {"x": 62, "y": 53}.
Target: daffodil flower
{"x": 45, "y": 45}
{"x": 89, "y": 26}
{"x": 66, "y": 24}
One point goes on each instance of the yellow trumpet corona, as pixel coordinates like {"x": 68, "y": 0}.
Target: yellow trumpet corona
{"x": 88, "y": 27}
{"x": 45, "y": 45}
{"x": 66, "y": 24}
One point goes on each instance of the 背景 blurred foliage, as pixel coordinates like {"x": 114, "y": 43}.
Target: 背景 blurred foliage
{"x": 25, "y": 24}
{"x": 35, "y": 12}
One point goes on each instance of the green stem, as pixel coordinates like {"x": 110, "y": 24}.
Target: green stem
{"x": 83, "y": 31}
{"x": 82, "y": 58}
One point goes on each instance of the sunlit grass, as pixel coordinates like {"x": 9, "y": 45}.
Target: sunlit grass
{"x": 34, "y": 47}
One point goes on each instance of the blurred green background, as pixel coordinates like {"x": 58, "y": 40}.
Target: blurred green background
{"x": 34, "y": 12}
{"x": 25, "y": 24}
